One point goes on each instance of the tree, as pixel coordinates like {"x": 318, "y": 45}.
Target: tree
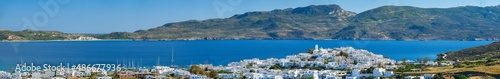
{"x": 438, "y": 76}
{"x": 439, "y": 63}
{"x": 440, "y": 57}
{"x": 370, "y": 70}
{"x": 310, "y": 51}
{"x": 275, "y": 66}
{"x": 460, "y": 65}
{"x": 355, "y": 62}
{"x": 319, "y": 68}
{"x": 490, "y": 60}
{"x": 223, "y": 71}
{"x": 252, "y": 71}
{"x": 399, "y": 77}
{"x": 460, "y": 77}
{"x": 371, "y": 77}
{"x": 381, "y": 65}
{"x": 420, "y": 60}
{"x": 249, "y": 65}
{"x": 403, "y": 60}
{"x": 326, "y": 61}
{"x": 213, "y": 74}
{"x": 313, "y": 58}
{"x": 196, "y": 70}
{"x": 426, "y": 59}
{"x": 172, "y": 75}
{"x": 93, "y": 75}
{"x": 243, "y": 77}
{"x": 310, "y": 78}
{"x": 342, "y": 53}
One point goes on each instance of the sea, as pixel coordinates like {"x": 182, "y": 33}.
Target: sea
{"x": 215, "y": 52}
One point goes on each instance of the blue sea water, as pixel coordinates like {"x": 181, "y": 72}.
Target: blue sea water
{"x": 216, "y": 52}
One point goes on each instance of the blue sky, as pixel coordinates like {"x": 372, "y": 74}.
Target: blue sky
{"x": 105, "y": 16}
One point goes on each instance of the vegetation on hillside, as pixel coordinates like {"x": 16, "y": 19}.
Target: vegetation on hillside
{"x": 320, "y": 22}
{"x": 6, "y": 35}
{"x": 194, "y": 69}
{"x": 490, "y": 51}
{"x": 332, "y": 22}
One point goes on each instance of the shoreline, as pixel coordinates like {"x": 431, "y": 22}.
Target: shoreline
{"x": 63, "y": 40}
{"x": 218, "y": 40}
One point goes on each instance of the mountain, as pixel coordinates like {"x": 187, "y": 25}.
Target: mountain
{"x": 481, "y": 52}
{"x": 407, "y": 23}
{"x": 333, "y": 22}
{"x": 311, "y": 22}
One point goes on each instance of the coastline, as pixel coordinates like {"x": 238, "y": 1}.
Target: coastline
{"x": 222, "y": 40}
{"x": 64, "y": 40}
{"x": 215, "y": 65}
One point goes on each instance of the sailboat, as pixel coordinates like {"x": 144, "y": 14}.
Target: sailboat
{"x": 172, "y": 65}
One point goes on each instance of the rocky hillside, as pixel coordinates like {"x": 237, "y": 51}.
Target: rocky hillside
{"x": 475, "y": 53}
{"x": 406, "y": 23}
{"x": 327, "y": 22}
{"x": 333, "y": 22}
{"x": 318, "y": 21}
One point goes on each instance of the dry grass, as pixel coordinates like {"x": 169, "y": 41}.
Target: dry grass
{"x": 78, "y": 78}
{"x": 481, "y": 77}
{"x": 495, "y": 69}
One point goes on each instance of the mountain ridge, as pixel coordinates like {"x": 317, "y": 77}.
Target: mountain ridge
{"x": 275, "y": 24}
{"x": 333, "y": 22}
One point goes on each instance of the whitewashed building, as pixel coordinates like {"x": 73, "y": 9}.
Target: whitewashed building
{"x": 228, "y": 76}
{"x": 4, "y": 75}
{"x": 48, "y": 74}
{"x": 429, "y": 76}
{"x": 351, "y": 77}
{"x": 254, "y": 76}
{"x": 414, "y": 77}
{"x": 309, "y": 73}
{"x": 198, "y": 77}
{"x": 104, "y": 77}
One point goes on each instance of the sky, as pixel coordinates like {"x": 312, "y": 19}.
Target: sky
{"x": 106, "y": 16}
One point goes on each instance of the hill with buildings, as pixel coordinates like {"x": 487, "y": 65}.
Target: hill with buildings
{"x": 6, "y": 35}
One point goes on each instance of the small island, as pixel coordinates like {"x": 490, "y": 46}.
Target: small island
{"x": 31, "y": 35}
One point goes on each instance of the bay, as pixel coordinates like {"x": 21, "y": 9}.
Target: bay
{"x": 216, "y": 52}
